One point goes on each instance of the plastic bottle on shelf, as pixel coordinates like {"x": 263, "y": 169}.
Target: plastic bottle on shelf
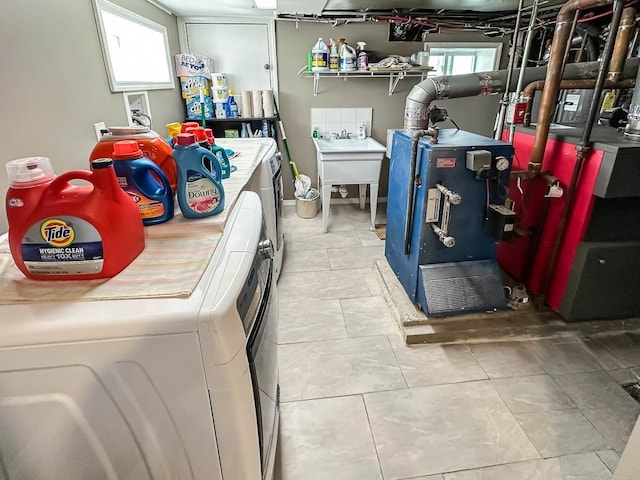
{"x": 245, "y": 130}
{"x": 362, "y": 131}
{"x": 347, "y": 58}
{"x": 232, "y": 106}
{"x": 320, "y": 56}
{"x": 334, "y": 57}
{"x": 362, "y": 61}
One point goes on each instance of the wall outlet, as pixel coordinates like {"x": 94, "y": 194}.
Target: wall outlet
{"x": 97, "y": 127}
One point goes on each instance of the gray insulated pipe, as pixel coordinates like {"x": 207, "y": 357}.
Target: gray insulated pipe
{"x": 484, "y": 83}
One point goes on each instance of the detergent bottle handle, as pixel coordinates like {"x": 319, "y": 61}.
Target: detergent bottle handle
{"x": 161, "y": 176}
{"x": 215, "y": 165}
{"x": 61, "y": 182}
{"x": 217, "y": 149}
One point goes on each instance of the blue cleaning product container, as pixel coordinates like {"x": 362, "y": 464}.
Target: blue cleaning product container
{"x": 204, "y": 137}
{"x": 200, "y": 191}
{"x": 221, "y": 155}
{"x": 144, "y": 182}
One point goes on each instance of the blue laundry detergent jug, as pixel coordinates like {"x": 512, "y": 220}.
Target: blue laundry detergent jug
{"x": 200, "y": 192}
{"x": 144, "y": 182}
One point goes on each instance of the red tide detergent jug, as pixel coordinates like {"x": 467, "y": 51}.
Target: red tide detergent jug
{"x": 77, "y": 232}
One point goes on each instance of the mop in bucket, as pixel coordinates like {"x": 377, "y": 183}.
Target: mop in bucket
{"x": 307, "y": 197}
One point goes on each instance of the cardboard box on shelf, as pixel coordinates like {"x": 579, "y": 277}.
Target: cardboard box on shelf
{"x": 194, "y": 109}
{"x": 191, "y": 86}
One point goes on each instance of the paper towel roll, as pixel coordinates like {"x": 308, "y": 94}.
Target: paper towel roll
{"x": 267, "y": 103}
{"x": 247, "y": 109}
{"x": 256, "y": 102}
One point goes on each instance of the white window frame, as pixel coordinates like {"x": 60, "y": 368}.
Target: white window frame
{"x": 127, "y": 86}
{"x": 497, "y": 46}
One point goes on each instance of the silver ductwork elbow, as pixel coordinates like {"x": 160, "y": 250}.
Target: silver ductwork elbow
{"x": 416, "y": 108}
{"x": 439, "y": 88}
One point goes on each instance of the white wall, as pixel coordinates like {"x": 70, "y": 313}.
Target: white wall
{"x": 53, "y": 82}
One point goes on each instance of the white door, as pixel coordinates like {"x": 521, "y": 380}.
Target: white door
{"x": 241, "y": 50}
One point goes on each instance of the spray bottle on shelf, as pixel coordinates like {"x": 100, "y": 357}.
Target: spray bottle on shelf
{"x": 334, "y": 58}
{"x": 347, "y": 58}
{"x": 320, "y": 56}
{"x": 362, "y": 61}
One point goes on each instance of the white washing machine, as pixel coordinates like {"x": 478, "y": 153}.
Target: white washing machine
{"x": 266, "y": 180}
{"x": 155, "y": 388}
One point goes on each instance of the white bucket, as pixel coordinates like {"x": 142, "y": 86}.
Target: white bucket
{"x": 307, "y": 208}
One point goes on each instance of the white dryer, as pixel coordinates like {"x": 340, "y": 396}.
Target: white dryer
{"x": 154, "y": 388}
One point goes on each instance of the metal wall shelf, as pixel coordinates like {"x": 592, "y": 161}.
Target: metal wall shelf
{"x": 394, "y": 75}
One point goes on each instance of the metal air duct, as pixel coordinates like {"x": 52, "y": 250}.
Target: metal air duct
{"x": 473, "y": 84}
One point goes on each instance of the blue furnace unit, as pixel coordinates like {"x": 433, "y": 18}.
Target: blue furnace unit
{"x": 445, "y": 216}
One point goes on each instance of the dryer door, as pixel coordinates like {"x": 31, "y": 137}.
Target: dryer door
{"x": 263, "y": 364}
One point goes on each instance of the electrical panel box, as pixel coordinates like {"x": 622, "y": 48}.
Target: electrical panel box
{"x": 478, "y": 160}
{"x": 500, "y": 221}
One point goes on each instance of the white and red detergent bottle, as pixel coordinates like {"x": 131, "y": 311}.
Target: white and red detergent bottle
{"x": 59, "y": 231}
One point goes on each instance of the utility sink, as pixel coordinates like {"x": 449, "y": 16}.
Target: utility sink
{"x": 348, "y": 145}
{"x": 348, "y": 161}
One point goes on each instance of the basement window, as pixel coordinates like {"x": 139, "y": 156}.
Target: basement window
{"x": 461, "y": 58}
{"x": 135, "y": 49}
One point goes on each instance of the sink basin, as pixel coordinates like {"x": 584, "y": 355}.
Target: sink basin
{"x": 348, "y": 161}
{"x": 348, "y": 145}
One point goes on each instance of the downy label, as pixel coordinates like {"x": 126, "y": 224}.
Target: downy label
{"x": 201, "y": 193}
{"x": 62, "y": 245}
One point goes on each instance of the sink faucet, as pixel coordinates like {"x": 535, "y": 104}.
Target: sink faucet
{"x": 343, "y": 134}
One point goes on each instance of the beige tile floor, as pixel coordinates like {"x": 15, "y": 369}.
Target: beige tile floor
{"x": 357, "y": 404}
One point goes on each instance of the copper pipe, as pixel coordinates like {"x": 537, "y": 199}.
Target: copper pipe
{"x": 623, "y": 39}
{"x": 530, "y": 90}
{"x": 554, "y": 75}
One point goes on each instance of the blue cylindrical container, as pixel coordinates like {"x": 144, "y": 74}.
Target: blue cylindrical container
{"x": 144, "y": 182}
{"x": 221, "y": 155}
{"x": 200, "y": 192}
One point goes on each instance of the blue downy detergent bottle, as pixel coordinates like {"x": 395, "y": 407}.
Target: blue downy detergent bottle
{"x": 144, "y": 182}
{"x": 200, "y": 192}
